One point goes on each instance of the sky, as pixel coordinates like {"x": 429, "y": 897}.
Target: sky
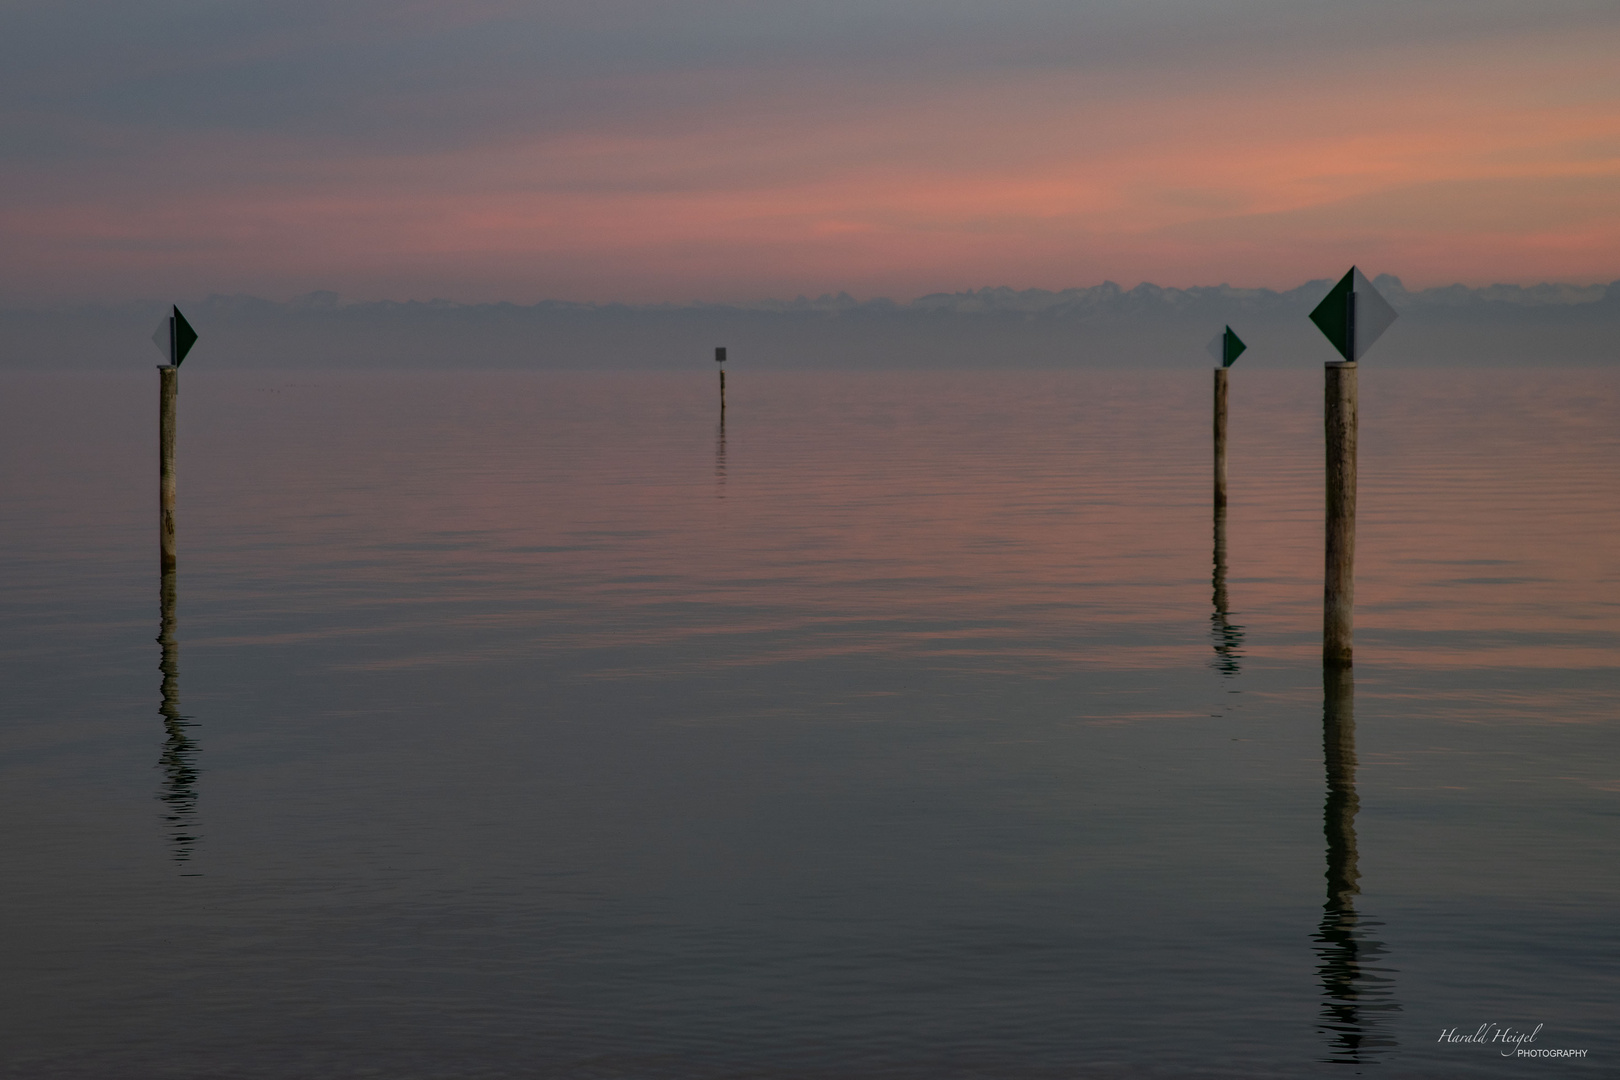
{"x": 717, "y": 150}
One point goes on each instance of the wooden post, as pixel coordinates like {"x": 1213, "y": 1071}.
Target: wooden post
{"x": 1339, "y": 584}
{"x": 1220, "y": 437}
{"x": 168, "y": 389}
{"x": 720, "y": 358}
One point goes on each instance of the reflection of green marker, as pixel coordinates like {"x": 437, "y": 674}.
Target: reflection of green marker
{"x": 1351, "y": 316}
{"x": 1225, "y": 348}
{"x": 174, "y": 339}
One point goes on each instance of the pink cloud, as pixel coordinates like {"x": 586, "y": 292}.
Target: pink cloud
{"x": 1494, "y": 160}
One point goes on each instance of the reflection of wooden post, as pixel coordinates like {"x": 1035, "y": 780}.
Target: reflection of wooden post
{"x": 1339, "y": 586}
{"x": 1220, "y": 437}
{"x": 720, "y": 456}
{"x": 1228, "y": 639}
{"x": 179, "y": 791}
{"x": 168, "y": 388}
{"x": 1339, "y": 813}
{"x": 1357, "y": 991}
{"x": 170, "y": 662}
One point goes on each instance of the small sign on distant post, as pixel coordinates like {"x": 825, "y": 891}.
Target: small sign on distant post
{"x": 1226, "y": 347}
{"x": 174, "y": 339}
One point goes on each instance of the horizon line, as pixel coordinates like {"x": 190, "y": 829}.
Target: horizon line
{"x": 328, "y": 299}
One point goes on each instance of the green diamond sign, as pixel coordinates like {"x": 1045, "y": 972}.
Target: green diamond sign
{"x": 174, "y": 337}
{"x": 1226, "y": 347}
{"x": 1352, "y": 316}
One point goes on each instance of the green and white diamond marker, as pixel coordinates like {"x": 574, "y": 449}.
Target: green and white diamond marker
{"x": 1352, "y": 316}
{"x": 1226, "y": 347}
{"x": 174, "y": 337}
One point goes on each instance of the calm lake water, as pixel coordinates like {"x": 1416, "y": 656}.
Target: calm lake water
{"x": 536, "y": 725}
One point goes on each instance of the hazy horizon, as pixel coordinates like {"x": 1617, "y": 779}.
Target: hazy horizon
{"x": 1541, "y": 292}
{"x": 1104, "y": 325}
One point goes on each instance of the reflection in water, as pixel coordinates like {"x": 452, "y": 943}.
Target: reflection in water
{"x": 1227, "y": 637}
{"x": 720, "y": 455}
{"x": 179, "y": 792}
{"x": 1356, "y": 991}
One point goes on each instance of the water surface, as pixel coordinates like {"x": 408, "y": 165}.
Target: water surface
{"x": 905, "y": 725}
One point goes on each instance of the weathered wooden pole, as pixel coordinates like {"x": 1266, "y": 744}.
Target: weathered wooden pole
{"x": 1225, "y": 348}
{"x": 1339, "y": 580}
{"x": 168, "y": 390}
{"x": 1351, "y": 316}
{"x": 1220, "y": 437}
{"x": 174, "y": 339}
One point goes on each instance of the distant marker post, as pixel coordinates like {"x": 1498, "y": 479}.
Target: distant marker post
{"x": 720, "y": 358}
{"x": 1225, "y": 348}
{"x": 1352, "y": 316}
{"x": 174, "y": 338}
